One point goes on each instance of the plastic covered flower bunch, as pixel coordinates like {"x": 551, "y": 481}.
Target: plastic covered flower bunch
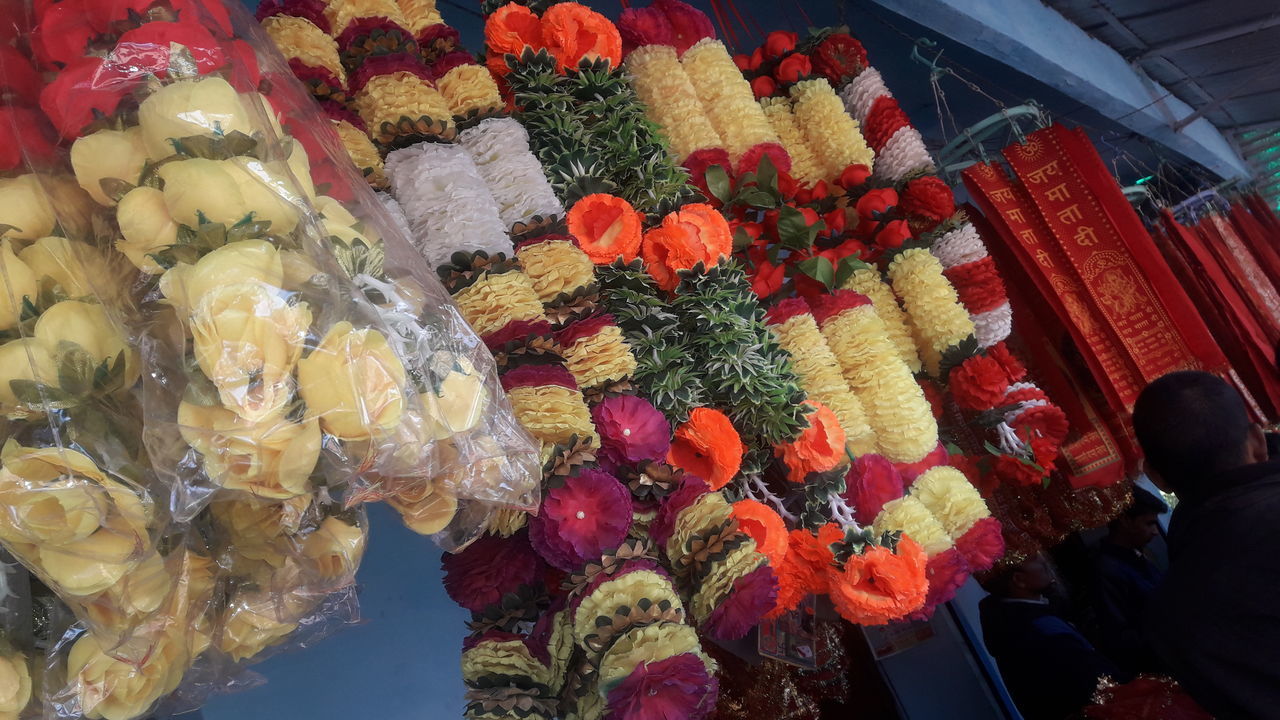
{"x": 286, "y": 324}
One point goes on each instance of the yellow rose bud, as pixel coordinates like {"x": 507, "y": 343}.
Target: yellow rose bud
{"x": 335, "y": 549}
{"x": 118, "y": 154}
{"x": 146, "y": 227}
{"x": 24, "y": 359}
{"x": 270, "y": 459}
{"x": 228, "y": 191}
{"x": 115, "y": 689}
{"x": 255, "y": 620}
{"x": 206, "y": 106}
{"x": 246, "y": 261}
{"x": 87, "y": 567}
{"x": 460, "y": 401}
{"x": 426, "y": 513}
{"x": 261, "y": 530}
{"x": 300, "y": 167}
{"x": 68, "y": 264}
{"x": 353, "y": 382}
{"x": 86, "y": 326}
{"x": 15, "y": 684}
{"x": 333, "y": 211}
{"x": 17, "y": 281}
{"x": 247, "y": 340}
{"x": 25, "y": 208}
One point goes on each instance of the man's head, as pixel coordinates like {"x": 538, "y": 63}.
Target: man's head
{"x": 1027, "y": 580}
{"x": 1138, "y": 524}
{"x": 1192, "y": 426}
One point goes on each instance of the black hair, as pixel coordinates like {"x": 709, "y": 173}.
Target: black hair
{"x": 1145, "y": 503}
{"x": 1191, "y": 425}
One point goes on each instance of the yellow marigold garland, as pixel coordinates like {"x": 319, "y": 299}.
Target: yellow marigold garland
{"x": 419, "y": 14}
{"x": 931, "y": 302}
{"x": 915, "y": 520}
{"x": 718, "y": 583}
{"x": 623, "y": 591}
{"x": 502, "y": 657}
{"x": 556, "y": 266}
{"x": 342, "y": 13}
{"x": 727, "y": 98}
{"x": 951, "y": 498}
{"x": 805, "y": 167}
{"x": 832, "y": 133}
{"x": 670, "y": 100}
{"x": 470, "y": 88}
{"x": 495, "y": 300}
{"x": 387, "y": 98}
{"x": 867, "y": 281}
{"x": 704, "y": 514}
{"x": 299, "y": 38}
{"x": 646, "y": 644}
{"x": 362, "y": 152}
{"x": 823, "y": 380}
{"x": 895, "y": 405}
{"x": 552, "y": 413}
{"x": 602, "y": 357}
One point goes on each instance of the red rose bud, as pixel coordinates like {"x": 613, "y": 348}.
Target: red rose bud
{"x": 810, "y": 215}
{"x": 771, "y": 223}
{"x": 86, "y": 85}
{"x": 757, "y": 59}
{"x": 763, "y": 86}
{"x": 820, "y": 191}
{"x": 742, "y": 61}
{"x": 875, "y": 202}
{"x": 804, "y": 196}
{"x": 893, "y": 234}
{"x": 779, "y": 43}
{"x": 787, "y": 185}
{"x": 146, "y": 48}
{"x": 18, "y": 78}
{"x": 835, "y": 220}
{"x": 853, "y": 176}
{"x": 64, "y": 34}
{"x": 753, "y": 229}
{"x": 768, "y": 279}
{"x": 792, "y": 68}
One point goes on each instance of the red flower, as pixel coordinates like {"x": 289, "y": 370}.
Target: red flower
{"x": 700, "y": 161}
{"x": 874, "y": 203}
{"x": 582, "y": 519}
{"x": 871, "y": 482}
{"x": 763, "y": 86}
{"x": 757, "y": 59}
{"x": 946, "y": 572}
{"x": 810, "y": 215}
{"x": 910, "y": 471}
{"x": 928, "y": 199}
{"x": 489, "y": 568}
{"x": 64, "y": 33}
{"x": 839, "y": 58}
{"x": 678, "y": 686}
{"x": 688, "y": 23}
{"x": 90, "y": 84}
{"x": 835, "y": 221}
{"x": 982, "y": 545}
{"x": 753, "y": 595}
{"x": 24, "y": 129}
{"x": 1013, "y": 367}
{"x": 17, "y": 77}
{"x": 750, "y": 160}
{"x": 212, "y": 15}
{"x": 631, "y": 429}
{"x": 742, "y": 61}
{"x": 820, "y": 191}
{"x": 1017, "y": 471}
{"x": 1047, "y": 421}
{"x": 883, "y": 120}
{"x": 853, "y": 176}
{"x": 146, "y": 48}
{"x": 893, "y": 234}
{"x": 787, "y": 185}
{"x": 644, "y": 26}
{"x": 246, "y": 74}
{"x": 979, "y": 383}
{"x": 792, "y": 68}
{"x": 779, "y": 43}
{"x": 767, "y": 279}
{"x": 753, "y": 229}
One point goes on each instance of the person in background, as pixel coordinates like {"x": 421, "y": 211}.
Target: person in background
{"x": 1049, "y": 668}
{"x": 1123, "y": 582}
{"x": 1215, "y": 620}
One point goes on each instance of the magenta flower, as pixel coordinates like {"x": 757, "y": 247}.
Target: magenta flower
{"x": 872, "y": 481}
{"x": 946, "y": 571}
{"x": 753, "y": 595}
{"x": 982, "y": 545}
{"x": 581, "y": 520}
{"x": 631, "y": 430}
{"x": 489, "y": 568}
{"x": 674, "y": 688}
{"x": 538, "y": 376}
{"x": 691, "y": 488}
{"x": 516, "y": 330}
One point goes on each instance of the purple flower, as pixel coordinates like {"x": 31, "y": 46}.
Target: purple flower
{"x": 581, "y": 519}
{"x": 664, "y": 523}
{"x": 489, "y": 568}
{"x": 674, "y": 688}
{"x": 753, "y": 596}
{"x": 631, "y": 430}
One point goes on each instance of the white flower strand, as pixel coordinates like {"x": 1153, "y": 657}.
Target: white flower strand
{"x": 959, "y": 247}
{"x": 395, "y": 212}
{"x": 861, "y": 93}
{"x": 499, "y": 147}
{"x": 993, "y": 326}
{"x": 448, "y": 205}
{"x": 903, "y": 154}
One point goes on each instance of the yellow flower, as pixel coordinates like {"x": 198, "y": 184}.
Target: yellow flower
{"x": 602, "y": 357}
{"x": 460, "y": 401}
{"x": 146, "y": 227}
{"x": 670, "y": 99}
{"x": 353, "y": 382}
{"x": 469, "y": 88}
{"x": 15, "y": 684}
{"x": 556, "y": 266}
{"x": 647, "y": 644}
{"x": 420, "y": 14}
{"x": 70, "y": 264}
{"x": 931, "y": 302}
{"x": 493, "y": 301}
{"x": 727, "y": 97}
{"x": 261, "y": 531}
{"x": 362, "y": 152}
{"x": 333, "y": 211}
{"x": 951, "y": 498}
{"x": 228, "y": 191}
{"x": 24, "y": 359}
{"x": 141, "y": 592}
{"x": 426, "y": 510}
{"x": 298, "y": 38}
{"x": 805, "y": 165}
{"x": 187, "y": 108}
{"x": 910, "y": 516}
{"x": 503, "y": 658}
{"x": 896, "y": 407}
{"x": 623, "y": 591}
{"x": 86, "y": 326}
{"x": 831, "y": 133}
{"x": 506, "y": 522}
{"x": 118, "y": 154}
{"x": 243, "y": 262}
{"x": 17, "y": 281}
{"x": 272, "y": 458}
{"x": 340, "y": 14}
{"x": 868, "y": 282}
{"x": 25, "y": 208}
{"x": 387, "y": 98}
{"x": 247, "y": 340}
{"x": 723, "y": 573}
{"x": 256, "y": 620}
{"x": 552, "y": 413}
{"x": 335, "y": 549}
{"x": 111, "y": 688}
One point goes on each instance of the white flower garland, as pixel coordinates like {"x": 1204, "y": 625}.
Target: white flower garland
{"x": 993, "y": 326}
{"x": 395, "y": 212}
{"x": 499, "y": 147}
{"x": 861, "y": 93}
{"x": 448, "y": 205}
{"x": 903, "y": 154}
{"x": 960, "y": 246}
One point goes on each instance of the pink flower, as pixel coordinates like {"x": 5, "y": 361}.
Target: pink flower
{"x": 752, "y": 597}
{"x": 946, "y": 571}
{"x": 687, "y": 22}
{"x": 631, "y": 429}
{"x": 489, "y": 568}
{"x": 982, "y": 545}
{"x": 644, "y": 26}
{"x": 872, "y": 481}
{"x": 581, "y": 520}
{"x": 674, "y": 688}
{"x": 910, "y": 471}
{"x": 691, "y": 488}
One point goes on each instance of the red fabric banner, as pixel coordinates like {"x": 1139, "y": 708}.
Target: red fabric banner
{"x": 1259, "y": 240}
{"x": 1264, "y": 214}
{"x": 1249, "y": 279}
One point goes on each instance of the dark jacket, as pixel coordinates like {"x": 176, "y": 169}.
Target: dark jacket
{"x": 1215, "y": 621}
{"x": 1124, "y": 581}
{"x": 1050, "y": 669}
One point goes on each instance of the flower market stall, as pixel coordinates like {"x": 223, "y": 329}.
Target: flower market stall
{"x": 677, "y": 352}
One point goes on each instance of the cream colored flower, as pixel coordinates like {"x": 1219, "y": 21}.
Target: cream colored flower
{"x": 299, "y": 269}
{"x": 273, "y": 458}
{"x": 86, "y": 326}
{"x": 353, "y": 382}
{"x": 17, "y": 281}
{"x": 333, "y": 211}
{"x": 114, "y": 689}
{"x": 300, "y": 167}
{"x": 246, "y": 261}
{"x": 68, "y": 264}
{"x": 247, "y": 340}
{"x": 427, "y": 510}
{"x": 118, "y": 154}
{"x": 335, "y": 549}
{"x": 229, "y": 191}
{"x": 25, "y": 208}
{"x": 24, "y": 359}
{"x": 206, "y": 106}
{"x": 261, "y": 531}
{"x": 460, "y": 402}
{"x": 15, "y": 684}
{"x": 89, "y": 566}
{"x": 255, "y": 620}
{"x": 146, "y": 227}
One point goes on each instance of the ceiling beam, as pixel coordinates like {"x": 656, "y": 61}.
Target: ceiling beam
{"x": 1209, "y": 37}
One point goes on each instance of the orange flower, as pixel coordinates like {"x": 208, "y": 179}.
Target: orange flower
{"x": 606, "y": 227}
{"x": 879, "y": 585}
{"x": 694, "y": 234}
{"x": 819, "y": 448}
{"x": 511, "y": 29}
{"x": 708, "y": 446}
{"x": 804, "y": 569}
{"x": 574, "y": 33}
{"x": 765, "y": 526}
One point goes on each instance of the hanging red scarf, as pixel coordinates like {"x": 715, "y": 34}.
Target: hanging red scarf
{"x": 1263, "y": 300}
{"x": 1262, "y": 244}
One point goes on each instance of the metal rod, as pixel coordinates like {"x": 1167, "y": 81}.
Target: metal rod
{"x": 1212, "y": 36}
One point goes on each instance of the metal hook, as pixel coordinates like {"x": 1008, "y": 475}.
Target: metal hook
{"x": 934, "y": 69}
